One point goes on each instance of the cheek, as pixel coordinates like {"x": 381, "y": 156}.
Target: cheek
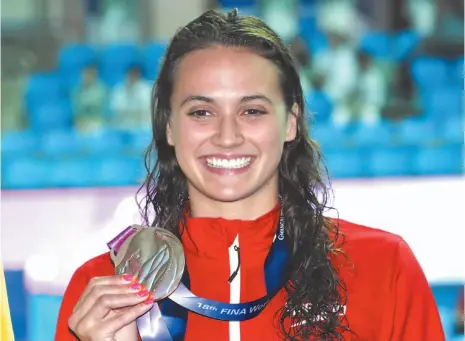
{"x": 188, "y": 137}
{"x": 269, "y": 139}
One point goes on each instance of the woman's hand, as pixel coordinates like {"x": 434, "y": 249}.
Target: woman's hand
{"x": 108, "y": 308}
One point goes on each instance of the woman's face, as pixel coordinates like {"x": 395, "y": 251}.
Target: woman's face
{"x": 229, "y": 123}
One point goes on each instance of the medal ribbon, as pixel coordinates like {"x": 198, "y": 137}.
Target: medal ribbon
{"x": 168, "y": 322}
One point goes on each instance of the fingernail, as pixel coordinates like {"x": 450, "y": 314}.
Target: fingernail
{"x": 128, "y": 278}
{"x": 143, "y": 293}
{"x": 136, "y": 286}
{"x": 149, "y": 301}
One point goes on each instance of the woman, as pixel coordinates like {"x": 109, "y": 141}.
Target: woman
{"x": 233, "y": 152}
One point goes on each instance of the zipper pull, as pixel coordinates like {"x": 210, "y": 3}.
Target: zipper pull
{"x": 234, "y": 274}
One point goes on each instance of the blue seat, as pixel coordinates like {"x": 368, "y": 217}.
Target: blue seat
{"x": 445, "y": 102}
{"x": 72, "y": 172}
{"x": 404, "y": 44}
{"x": 20, "y": 143}
{"x": 330, "y": 137}
{"x": 153, "y": 55}
{"x": 386, "y": 162}
{"x": 72, "y": 58}
{"x": 377, "y": 44}
{"x": 51, "y": 116}
{"x": 119, "y": 171}
{"x": 429, "y": 73}
{"x": 452, "y": 131}
{"x": 439, "y": 161}
{"x": 371, "y": 136}
{"x": 59, "y": 143}
{"x": 456, "y": 72}
{"x": 43, "y": 88}
{"x": 103, "y": 142}
{"x": 320, "y": 105}
{"x": 115, "y": 59}
{"x": 24, "y": 173}
{"x": 138, "y": 141}
{"x": 418, "y": 132}
{"x": 345, "y": 163}
{"x": 237, "y": 3}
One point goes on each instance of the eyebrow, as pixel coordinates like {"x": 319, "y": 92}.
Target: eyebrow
{"x": 211, "y": 100}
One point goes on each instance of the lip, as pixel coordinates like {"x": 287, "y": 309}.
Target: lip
{"x": 227, "y": 171}
{"x": 227, "y": 156}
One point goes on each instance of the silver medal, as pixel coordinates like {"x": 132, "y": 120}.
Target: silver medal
{"x": 155, "y": 256}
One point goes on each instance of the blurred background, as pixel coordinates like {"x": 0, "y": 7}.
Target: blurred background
{"x": 383, "y": 80}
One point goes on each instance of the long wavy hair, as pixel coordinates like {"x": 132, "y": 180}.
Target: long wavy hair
{"x": 315, "y": 289}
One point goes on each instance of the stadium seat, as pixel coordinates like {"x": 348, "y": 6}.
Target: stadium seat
{"x": 138, "y": 141}
{"x": 344, "y": 163}
{"x": 320, "y": 105}
{"x": 115, "y": 59}
{"x": 24, "y": 173}
{"x": 429, "y": 73}
{"x": 330, "y": 137}
{"x": 72, "y": 59}
{"x": 153, "y": 54}
{"x": 445, "y": 102}
{"x": 18, "y": 143}
{"x": 51, "y": 116}
{"x": 102, "y": 142}
{"x": 439, "y": 161}
{"x": 371, "y": 136}
{"x": 418, "y": 132}
{"x": 452, "y": 131}
{"x": 237, "y": 3}
{"x": 59, "y": 143}
{"x": 385, "y": 162}
{"x": 377, "y": 44}
{"x": 72, "y": 172}
{"x": 43, "y": 88}
{"x": 119, "y": 171}
{"x": 404, "y": 44}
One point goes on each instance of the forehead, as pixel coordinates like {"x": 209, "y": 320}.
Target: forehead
{"x": 225, "y": 71}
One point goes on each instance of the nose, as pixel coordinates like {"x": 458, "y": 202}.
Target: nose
{"x": 228, "y": 132}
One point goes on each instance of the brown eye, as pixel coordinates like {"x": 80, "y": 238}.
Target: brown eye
{"x": 254, "y": 112}
{"x": 199, "y": 113}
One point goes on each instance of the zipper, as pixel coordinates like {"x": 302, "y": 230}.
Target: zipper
{"x": 235, "y": 286}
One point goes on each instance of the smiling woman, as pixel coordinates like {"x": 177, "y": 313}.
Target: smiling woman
{"x": 238, "y": 117}
{"x": 240, "y": 182}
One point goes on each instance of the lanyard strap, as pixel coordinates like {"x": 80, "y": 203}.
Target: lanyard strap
{"x": 168, "y": 321}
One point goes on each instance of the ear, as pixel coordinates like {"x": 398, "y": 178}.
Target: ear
{"x": 169, "y": 134}
{"x": 291, "y": 130}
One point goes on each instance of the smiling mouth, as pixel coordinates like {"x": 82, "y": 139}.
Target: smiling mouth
{"x": 237, "y": 163}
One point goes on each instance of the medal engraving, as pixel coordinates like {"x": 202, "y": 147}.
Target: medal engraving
{"x": 156, "y": 257}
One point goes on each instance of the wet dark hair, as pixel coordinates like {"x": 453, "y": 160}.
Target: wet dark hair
{"x": 315, "y": 289}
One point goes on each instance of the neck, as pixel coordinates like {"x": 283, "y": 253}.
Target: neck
{"x": 249, "y": 208}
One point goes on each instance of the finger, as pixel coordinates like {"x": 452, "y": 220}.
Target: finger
{"x": 107, "y": 303}
{"x": 130, "y": 315}
{"x": 106, "y": 280}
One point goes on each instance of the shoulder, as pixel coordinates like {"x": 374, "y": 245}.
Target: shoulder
{"x": 372, "y": 248}
{"x": 98, "y": 266}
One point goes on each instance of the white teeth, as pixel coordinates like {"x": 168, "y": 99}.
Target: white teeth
{"x": 233, "y": 163}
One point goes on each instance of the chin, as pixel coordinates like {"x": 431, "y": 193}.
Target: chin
{"x": 227, "y": 194}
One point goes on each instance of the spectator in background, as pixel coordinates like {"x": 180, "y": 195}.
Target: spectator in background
{"x": 303, "y": 58}
{"x": 336, "y": 66}
{"x": 403, "y": 98}
{"x": 130, "y": 102}
{"x": 90, "y": 98}
{"x": 367, "y": 98}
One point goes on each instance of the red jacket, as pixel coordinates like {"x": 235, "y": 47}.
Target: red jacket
{"x": 388, "y": 295}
